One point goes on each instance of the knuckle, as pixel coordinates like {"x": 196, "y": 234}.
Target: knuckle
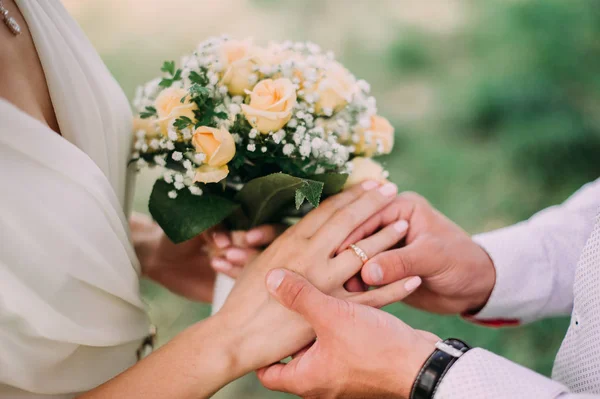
{"x": 297, "y": 292}
{"x": 398, "y": 264}
{"x": 414, "y": 197}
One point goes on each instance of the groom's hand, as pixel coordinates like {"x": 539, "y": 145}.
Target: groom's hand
{"x": 458, "y": 275}
{"x": 360, "y": 352}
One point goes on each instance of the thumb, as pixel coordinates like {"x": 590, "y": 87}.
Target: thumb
{"x": 417, "y": 259}
{"x": 296, "y": 293}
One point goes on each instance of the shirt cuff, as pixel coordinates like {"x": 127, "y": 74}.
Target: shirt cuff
{"x": 482, "y": 374}
{"x": 523, "y": 278}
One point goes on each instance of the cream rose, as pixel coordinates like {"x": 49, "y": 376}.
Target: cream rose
{"x": 211, "y": 174}
{"x": 238, "y": 59}
{"x": 365, "y": 169}
{"x": 147, "y": 125}
{"x": 271, "y": 104}
{"x": 217, "y": 144}
{"x": 169, "y": 107}
{"x": 380, "y": 133}
{"x": 334, "y": 89}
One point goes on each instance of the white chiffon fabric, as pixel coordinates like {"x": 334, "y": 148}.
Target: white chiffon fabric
{"x": 71, "y": 316}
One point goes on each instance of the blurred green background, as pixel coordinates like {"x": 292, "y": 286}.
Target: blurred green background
{"x": 495, "y": 105}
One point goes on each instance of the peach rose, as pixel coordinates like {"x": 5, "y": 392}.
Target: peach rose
{"x": 381, "y": 133}
{"x": 271, "y": 104}
{"x": 334, "y": 89}
{"x": 365, "y": 169}
{"x": 217, "y": 144}
{"x": 169, "y": 107}
{"x": 211, "y": 174}
{"x": 238, "y": 59}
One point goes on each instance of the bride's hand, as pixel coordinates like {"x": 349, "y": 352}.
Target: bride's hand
{"x": 185, "y": 268}
{"x": 236, "y": 249}
{"x": 265, "y": 331}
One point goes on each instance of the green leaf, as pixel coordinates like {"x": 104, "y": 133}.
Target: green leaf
{"x": 148, "y": 113}
{"x": 182, "y": 122}
{"x": 195, "y": 77}
{"x": 334, "y": 182}
{"x": 311, "y": 190}
{"x": 187, "y": 215}
{"x": 197, "y": 90}
{"x": 168, "y": 67}
{"x": 165, "y": 82}
{"x": 264, "y": 198}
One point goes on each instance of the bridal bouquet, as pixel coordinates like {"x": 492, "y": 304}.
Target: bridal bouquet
{"x": 250, "y": 134}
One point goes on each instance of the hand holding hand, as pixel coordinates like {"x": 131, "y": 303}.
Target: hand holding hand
{"x": 268, "y": 332}
{"x": 360, "y": 352}
{"x": 458, "y": 275}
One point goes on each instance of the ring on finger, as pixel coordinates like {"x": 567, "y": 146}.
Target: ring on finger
{"x": 360, "y": 253}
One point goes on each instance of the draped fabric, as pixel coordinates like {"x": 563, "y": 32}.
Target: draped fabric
{"x": 71, "y": 316}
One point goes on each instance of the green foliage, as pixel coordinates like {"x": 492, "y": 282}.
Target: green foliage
{"x": 169, "y": 67}
{"x": 148, "y": 113}
{"x": 535, "y": 90}
{"x": 265, "y": 198}
{"x": 190, "y": 214}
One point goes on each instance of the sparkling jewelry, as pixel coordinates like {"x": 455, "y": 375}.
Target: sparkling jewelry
{"x": 10, "y": 22}
{"x": 360, "y": 253}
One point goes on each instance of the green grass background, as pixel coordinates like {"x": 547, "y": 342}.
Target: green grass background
{"x": 494, "y": 108}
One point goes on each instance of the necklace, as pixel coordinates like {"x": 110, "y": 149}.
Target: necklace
{"x": 10, "y": 22}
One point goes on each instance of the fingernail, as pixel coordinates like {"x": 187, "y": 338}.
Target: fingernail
{"x": 369, "y": 185}
{"x": 221, "y": 265}
{"x": 235, "y": 255}
{"x": 254, "y": 236}
{"x": 375, "y": 273}
{"x": 401, "y": 226}
{"x": 274, "y": 279}
{"x": 412, "y": 283}
{"x": 221, "y": 240}
{"x": 388, "y": 189}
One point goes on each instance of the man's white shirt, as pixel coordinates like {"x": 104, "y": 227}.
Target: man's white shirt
{"x": 546, "y": 266}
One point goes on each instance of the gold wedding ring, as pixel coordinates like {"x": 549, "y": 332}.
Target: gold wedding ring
{"x": 360, "y": 253}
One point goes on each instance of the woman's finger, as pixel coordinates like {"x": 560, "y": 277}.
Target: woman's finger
{"x": 222, "y": 266}
{"x": 219, "y": 237}
{"x": 355, "y": 284}
{"x": 240, "y": 256}
{"x": 320, "y": 216}
{"x": 264, "y": 235}
{"x": 401, "y": 208}
{"x": 348, "y": 263}
{"x": 388, "y": 294}
{"x": 334, "y": 232}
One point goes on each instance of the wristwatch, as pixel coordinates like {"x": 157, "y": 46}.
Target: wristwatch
{"x": 436, "y": 366}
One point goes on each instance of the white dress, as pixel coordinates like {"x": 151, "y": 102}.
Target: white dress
{"x": 71, "y": 316}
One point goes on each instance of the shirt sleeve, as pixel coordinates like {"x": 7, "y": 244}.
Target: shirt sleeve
{"x": 536, "y": 260}
{"x": 482, "y": 374}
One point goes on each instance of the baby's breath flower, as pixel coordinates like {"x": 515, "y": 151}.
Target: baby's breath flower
{"x": 251, "y": 147}
{"x": 159, "y": 160}
{"x": 172, "y": 194}
{"x": 288, "y": 149}
{"x": 178, "y": 185}
{"x": 199, "y": 157}
{"x": 195, "y": 190}
{"x": 177, "y": 156}
{"x": 263, "y": 149}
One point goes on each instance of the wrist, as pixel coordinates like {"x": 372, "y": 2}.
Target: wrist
{"x": 215, "y": 340}
{"x": 409, "y": 363}
{"x": 485, "y": 281}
